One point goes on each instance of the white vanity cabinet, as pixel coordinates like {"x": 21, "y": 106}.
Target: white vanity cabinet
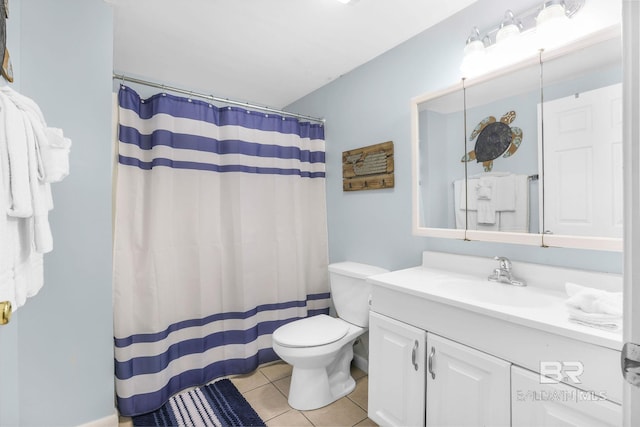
{"x": 465, "y": 387}
{"x": 484, "y": 352}
{"x": 555, "y": 404}
{"x": 397, "y": 359}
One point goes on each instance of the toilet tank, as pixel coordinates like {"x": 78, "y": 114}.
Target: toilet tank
{"x": 350, "y": 290}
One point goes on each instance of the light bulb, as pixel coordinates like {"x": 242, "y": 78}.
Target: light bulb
{"x": 508, "y": 28}
{"x": 474, "y": 52}
{"x": 552, "y": 25}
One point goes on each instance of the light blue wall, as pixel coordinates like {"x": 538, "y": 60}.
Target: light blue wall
{"x": 60, "y": 368}
{"x": 371, "y": 105}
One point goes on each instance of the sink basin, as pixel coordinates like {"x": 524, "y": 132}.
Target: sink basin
{"x": 486, "y": 292}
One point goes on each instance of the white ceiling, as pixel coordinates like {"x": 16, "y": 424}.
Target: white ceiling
{"x": 267, "y": 52}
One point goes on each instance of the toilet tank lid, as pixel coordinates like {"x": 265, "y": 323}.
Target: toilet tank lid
{"x": 355, "y": 269}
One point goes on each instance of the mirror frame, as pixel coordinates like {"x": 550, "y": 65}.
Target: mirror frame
{"x": 532, "y": 239}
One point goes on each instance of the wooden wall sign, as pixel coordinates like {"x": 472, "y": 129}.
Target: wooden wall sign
{"x": 368, "y": 168}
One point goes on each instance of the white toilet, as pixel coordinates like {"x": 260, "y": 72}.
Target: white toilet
{"x": 320, "y": 348}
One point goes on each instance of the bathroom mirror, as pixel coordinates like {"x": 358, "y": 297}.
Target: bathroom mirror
{"x": 581, "y": 118}
{"x": 447, "y": 132}
{"x": 524, "y": 102}
{"x": 440, "y": 145}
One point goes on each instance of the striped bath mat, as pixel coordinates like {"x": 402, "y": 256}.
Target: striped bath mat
{"x": 216, "y": 404}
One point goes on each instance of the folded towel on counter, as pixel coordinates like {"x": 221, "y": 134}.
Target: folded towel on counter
{"x": 594, "y": 307}
{"x": 591, "y": 300}
{"x": 609, "y": 322}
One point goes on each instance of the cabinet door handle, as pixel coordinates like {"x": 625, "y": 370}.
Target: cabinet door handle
{"x": 414, "y": 355}
{"x": 430, "y": 363}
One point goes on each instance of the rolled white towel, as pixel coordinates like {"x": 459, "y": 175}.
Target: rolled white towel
{"x": 591, "y": 300}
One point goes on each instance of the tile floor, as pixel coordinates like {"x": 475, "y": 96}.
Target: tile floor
{"x": 267, "y": 388}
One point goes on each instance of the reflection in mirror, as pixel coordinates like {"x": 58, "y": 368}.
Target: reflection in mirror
{"x": 582, "y": 122}
{"x": 502, "y": 154}
{"x": 575, "y": 151}
{"x": 441, "y": 144}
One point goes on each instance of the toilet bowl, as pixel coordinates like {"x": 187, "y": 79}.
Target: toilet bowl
{"x": 320, "y": 348}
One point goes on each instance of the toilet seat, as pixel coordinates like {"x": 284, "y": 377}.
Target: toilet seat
{"x": 311, "y": 331}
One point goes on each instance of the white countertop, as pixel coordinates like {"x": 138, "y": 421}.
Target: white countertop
{"x": 529, "y": 306}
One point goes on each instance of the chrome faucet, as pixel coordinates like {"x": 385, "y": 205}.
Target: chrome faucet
{"x": 503, "y": 274}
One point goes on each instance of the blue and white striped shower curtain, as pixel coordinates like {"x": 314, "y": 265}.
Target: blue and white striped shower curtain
{"x": 220, "y": 237}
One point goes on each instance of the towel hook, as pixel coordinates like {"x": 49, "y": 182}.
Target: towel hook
{"x": 5, "y": 312}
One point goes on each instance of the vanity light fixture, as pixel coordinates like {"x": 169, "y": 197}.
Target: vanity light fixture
{"x": 519, "y": 35}
{"x": 509, "y": 28}
{"x": 554, "y": 10}
{"x": 552, "y": 23}
{"x": 474, "y": 51}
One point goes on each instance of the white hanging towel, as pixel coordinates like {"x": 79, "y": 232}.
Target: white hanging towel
{"x": 15, "y": 137}
{"x": 53, "y": 147}
{"x": 462, "y": 217}
{"x": 485, "y": 191}
{"x": 504, "y": 194}
{"x": 55, "y": 155}
{"x": 27, "y": 165}
{"x": 517, "y": 219}
{"x": 507, "y": 209}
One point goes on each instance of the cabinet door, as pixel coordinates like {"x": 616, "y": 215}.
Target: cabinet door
{"x": 536, "y": 404}
{"x": 465, "y": 387}
{"x": 396, "y": 372}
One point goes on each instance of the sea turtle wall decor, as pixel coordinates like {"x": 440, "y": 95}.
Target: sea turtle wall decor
{"x": 494, "y": 139}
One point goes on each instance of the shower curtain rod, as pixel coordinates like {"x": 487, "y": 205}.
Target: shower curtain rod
{"x": 123, "y": 78}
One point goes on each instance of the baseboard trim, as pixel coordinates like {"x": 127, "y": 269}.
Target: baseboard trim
{"x": 108, "y": 421}
{"x": 361, "y": 363}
